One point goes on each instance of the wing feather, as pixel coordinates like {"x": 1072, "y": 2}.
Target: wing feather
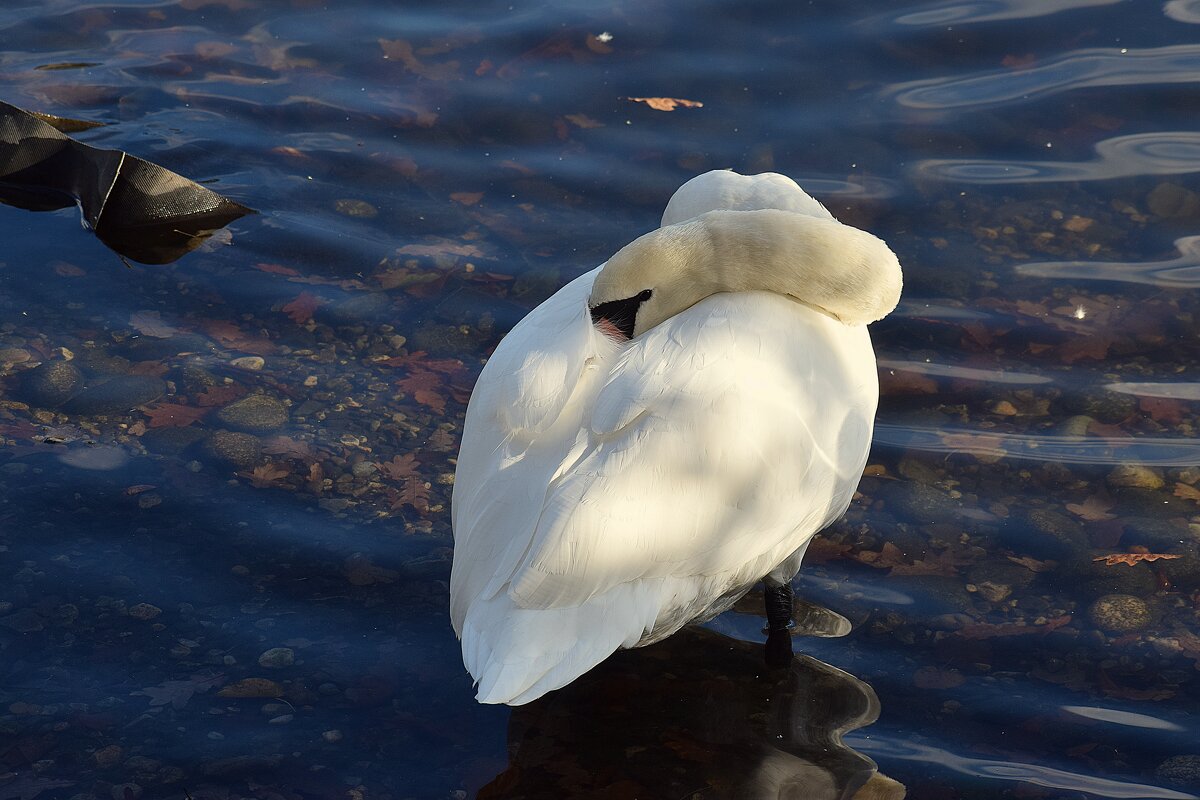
{"x": 516, "y": 421}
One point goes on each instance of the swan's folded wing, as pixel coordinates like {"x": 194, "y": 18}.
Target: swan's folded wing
{"x": 521, "y": 392}
{"x": 530, "y": 376}
{"x": 724, "y": 438}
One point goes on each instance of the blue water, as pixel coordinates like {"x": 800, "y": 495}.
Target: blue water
{"x": 424, "y": 175}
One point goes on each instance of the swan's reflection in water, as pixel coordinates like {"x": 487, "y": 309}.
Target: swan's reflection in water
{"x": 695, "y": 716}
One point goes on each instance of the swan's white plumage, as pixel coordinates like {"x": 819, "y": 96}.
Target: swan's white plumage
{"x": 608, "y": 493}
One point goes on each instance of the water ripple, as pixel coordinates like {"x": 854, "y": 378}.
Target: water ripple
{"x": 1172, "y": 391}
{"x": 1182, "y": 272}
{"x": 1111, "y": 450}
{"x": 995, "y": 375}
{"x": 1119, "y": 717}
{"x": 888, "y": 747}
{"x": 1101, "y": 66}
{"x": 1183, "y": 11}
{"x": 1159, "y": 153}
{"x": 992, "y": 11}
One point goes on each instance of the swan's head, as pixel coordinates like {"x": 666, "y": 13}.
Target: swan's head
{"x": 842, "y": 271}
{"x": 647, "y": 282}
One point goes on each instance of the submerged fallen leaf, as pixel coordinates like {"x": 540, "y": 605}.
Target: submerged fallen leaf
{"x": 265, "y": 476}
{"x": 667, "y": 103}
{"x": 400, "y": 467}
{"x": 233, "y": 337}
{"x": 66, "y": 270}
{"x": 316, "y": 478}
{"x": 301, "y": 309}
{"x": 173, "y": 415}
{"x": 1094, "y": 509}
{"x": 219, "y": 395}
{"x": 1033, "y": 564}
{"x": 445, "y": 247}
{"x": 178, "y": 693}
{"x": 252, "y": 687}
{"x": 361, "y": 572}
{"x": 150, "y": 323}
{"x": 466, "y": 198}
{"x": 1132, "y": 558}
{"x": 413, "y": 490}
{"x": 276, "y": 269}
{"x": 402, "y": 51}
{"x": 1186, "y": 492}
{"x": 423, "y": 386}
{"x": 288, "y": 448}
{"x": 983, "y": 630}
{"x": 583, "y": 121}
{"x": 935, "y": 678}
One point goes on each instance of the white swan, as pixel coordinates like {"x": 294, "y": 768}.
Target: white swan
{"x": 665, "y": 431}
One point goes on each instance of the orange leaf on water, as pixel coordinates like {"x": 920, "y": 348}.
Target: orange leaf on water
{"x": 667, "y": 103}
{"x": 1132, "y": 558}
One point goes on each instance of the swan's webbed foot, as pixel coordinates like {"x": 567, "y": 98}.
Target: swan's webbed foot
{"x": 779, "y": 601}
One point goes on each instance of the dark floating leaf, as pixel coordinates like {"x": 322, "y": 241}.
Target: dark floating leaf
{"x": 140, "y": 210}
{"x": 67, "y": 65}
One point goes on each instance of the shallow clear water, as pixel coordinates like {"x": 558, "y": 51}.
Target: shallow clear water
{"x": 186, "y": 613}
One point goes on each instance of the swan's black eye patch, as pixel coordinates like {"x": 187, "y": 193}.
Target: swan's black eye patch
{"x": 621, "y": 314}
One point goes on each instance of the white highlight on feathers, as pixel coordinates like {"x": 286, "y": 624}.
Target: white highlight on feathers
{"x": 609, "y": 493}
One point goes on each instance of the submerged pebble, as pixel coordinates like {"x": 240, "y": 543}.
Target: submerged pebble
{"x": 1182, "y": 772}
{"x": 277, "y": 657}
{"x": 256, "y": 413}
{"x": 1135, "y": 476}
{"x": 1120, "y": 613}
{"x": 232, "y": 447}
{"x": 51, "y": 384}
{"x": 116, "y": 395}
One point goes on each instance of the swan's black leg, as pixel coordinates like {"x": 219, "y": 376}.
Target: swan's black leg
{"x": 779, "y": 625}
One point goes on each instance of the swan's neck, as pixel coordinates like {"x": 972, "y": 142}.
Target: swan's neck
{"x": 832, "y": 267}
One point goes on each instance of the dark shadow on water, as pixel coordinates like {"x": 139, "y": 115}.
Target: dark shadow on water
{"x": 695, "y": 715}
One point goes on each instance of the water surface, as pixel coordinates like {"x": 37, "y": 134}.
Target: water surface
{"x": 204, "y": 596}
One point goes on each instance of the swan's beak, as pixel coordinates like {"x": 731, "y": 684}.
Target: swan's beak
{"x": 610, "y": 328}
{"x": 618, "y": 318}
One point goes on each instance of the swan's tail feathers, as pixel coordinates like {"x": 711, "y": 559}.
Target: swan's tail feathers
{"x": 516, "y": 655}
